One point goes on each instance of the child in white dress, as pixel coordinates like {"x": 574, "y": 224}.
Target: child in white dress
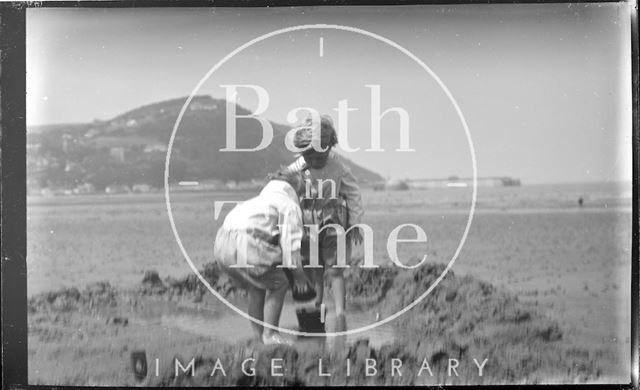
{"x": 258, "y": 240}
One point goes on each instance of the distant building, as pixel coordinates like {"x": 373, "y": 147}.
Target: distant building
{"x": 84, "y": 188}
{"x": 454, "y": 181}
{"x": 67, "y": 141}
{"x": 392, "y": 185}
{"x": 120, "y": 148}
{"x": 450, "y": 182}
{"x": 117, "y": 189}
{"x": 91, "y": 133}
{"x": 46, "y": 192}
{"x": 155, "y": 148}
{"x": 141, "y": 188}
{"x": 200, "y": 105}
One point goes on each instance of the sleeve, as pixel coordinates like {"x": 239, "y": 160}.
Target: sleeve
{"x": 290, "y": 219}
{"x": 350, "y": 191}
{"x": 297, "y": 166}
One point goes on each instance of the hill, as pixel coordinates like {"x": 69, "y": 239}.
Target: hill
{"x": 130, "y": 148}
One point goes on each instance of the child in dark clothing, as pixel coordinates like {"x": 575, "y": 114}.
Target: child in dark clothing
{"x": 332, "y": 196}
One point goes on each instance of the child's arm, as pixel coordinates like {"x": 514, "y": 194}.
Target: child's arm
{"x": 291, "y": 230}
{"x": 298, "y": 165}
{"x": 350, "y": 191}
{"x": 300, "y": 280}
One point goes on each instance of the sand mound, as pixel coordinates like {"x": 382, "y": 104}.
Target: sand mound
{"x": 465, "y": 318}
{"x": 367, "y": 287}
{"x": 462, "y": 318}
{"x": 100, "y": 294}
{"x": 190, "y": 285}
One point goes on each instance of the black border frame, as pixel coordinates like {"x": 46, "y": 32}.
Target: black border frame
{"x": 13, "y": 194}
{"x": 13, "y": 163}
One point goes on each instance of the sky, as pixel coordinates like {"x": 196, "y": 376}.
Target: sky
{"x": 545, "y": 89}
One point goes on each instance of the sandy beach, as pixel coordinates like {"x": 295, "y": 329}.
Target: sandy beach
{"x": 541, "y": 288}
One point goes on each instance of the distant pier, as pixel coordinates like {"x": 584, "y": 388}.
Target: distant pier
{"x": 450, "y": 182}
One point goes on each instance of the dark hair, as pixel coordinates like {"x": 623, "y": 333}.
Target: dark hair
{"x": 328, "y": 135}
{"x": 294, "y": 178}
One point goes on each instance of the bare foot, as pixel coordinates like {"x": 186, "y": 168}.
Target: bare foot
{"x": 275, "y": 338}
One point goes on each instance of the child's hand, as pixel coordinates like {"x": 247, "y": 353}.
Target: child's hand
{"x": 301, "y": 286}
{"x": 302, "y": 289}
{"x": 300, "y": 282}
{"x": 355, "y": 236}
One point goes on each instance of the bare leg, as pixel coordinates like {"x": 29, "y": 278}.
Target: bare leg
{"x": 256, "y": 309}
{"x": 338, "y": 288}
{"x": 339, "y": 293}
{"x": 316, "y": 276}
{"x": 273, "y": 302}
{"x": 339, "y": 297}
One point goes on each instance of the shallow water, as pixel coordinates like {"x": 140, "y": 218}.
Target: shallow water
{"x": 232, "y": 327}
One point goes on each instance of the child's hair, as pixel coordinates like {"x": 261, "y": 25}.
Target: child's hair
{"x": 294, "y": 178}
{"x": 328, "y": 135}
